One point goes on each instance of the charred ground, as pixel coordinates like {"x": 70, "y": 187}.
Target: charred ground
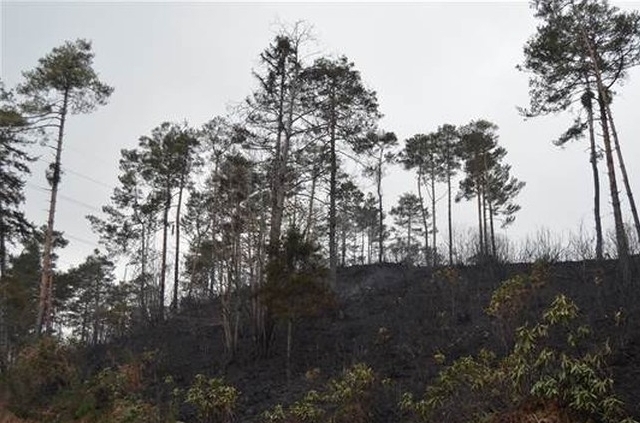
{"x": 394, "y": 318}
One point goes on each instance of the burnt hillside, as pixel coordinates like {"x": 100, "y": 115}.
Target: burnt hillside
{"x": 395, "y": 319}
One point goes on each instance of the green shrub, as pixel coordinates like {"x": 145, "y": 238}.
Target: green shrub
{"x": 41, "y": 371}
{"x": 346, "y": 399}
{"x": 128, "y": 410}
{"x": 533, "y": 380}
{"x": 213, "y": 399}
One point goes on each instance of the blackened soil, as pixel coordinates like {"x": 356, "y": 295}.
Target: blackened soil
{"x": 394, "y": 318}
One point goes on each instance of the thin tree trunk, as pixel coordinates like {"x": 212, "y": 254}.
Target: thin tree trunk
{"x": 621, "y": 236}
{"x": 493, "y": 235}
{"x": 343, "y": 234}
{"x": 143, "y": 270}
{"x": 380, "y": 213}
{"x": 480, "y": 229}
{"x": 163, "y": 266}
{"x": 96, "y": 313}
{"x": 307, "y": 229}
{"x": 362, "y": 248}
{"x": 3, "y": 244}
{"x": 369, "y": 245}
{"x": 277, "y": 188}
{"x": 289, "y": 345}
{"x": 85, "y": 317}
{"x": 425, "y": 223}
{"x": 409, "y": 237}
{"x": 485, "y": 234}
{"x": 434, "y": 229}
{"x": 485, "y": 176}
{"x": 596, "y": 177}
{"x": 623, "y": 170}
{"x": 4, "y": 337}
{"x": 333, "y": 259}
{"x": 449, "y": 217}
{"x": 45, "y": 306}
{"x": 176, "y": 264}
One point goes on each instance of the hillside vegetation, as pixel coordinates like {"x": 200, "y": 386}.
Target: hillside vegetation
{"x": 407, "y": 344}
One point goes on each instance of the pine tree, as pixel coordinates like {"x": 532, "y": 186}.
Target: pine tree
{"x": 64, "y": 82}
{"x": 408, "y": 214}
{"x": 343, "y": 109}
{"x": 580, "y": 45}
{"x": 380, "y": 147}
{"x": 14, "y": 167}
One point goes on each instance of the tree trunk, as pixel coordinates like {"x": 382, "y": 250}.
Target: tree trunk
{"x": 289, "y": 345}
{"x": 307, "y": 229}
{"x": 449, "y": 217}
{"x": 225, "y": 303}
{"x": 480, "y": 229}
{"x": 409, "y": 237}
{"x": 493, "y": 235}
{"x": 333, "y": 259}
{"x": 163, "y": 265}
{"x": 425, "y": 223}
{"x": 621, "y": 236}
{"x": 84, "y": 337}
{"x": 4, "y": 336}
{"x": 3, "y": 245}
{"x": 596, "y": 180}
{"x": 483, "y": 188}
{"x": 143, "y": 270}
{"x": 277, "y": 188}
{"x": 96, "y": 313}
{"x": 485, "y": 234}
{"x": 380, "y": 212}
{"x": 176, "y": 264}
{"x": 45, "y": 306}
{"x": 623, "y": 170}
{"x": 434, "y": 229}
{"x": 343, "y": 234}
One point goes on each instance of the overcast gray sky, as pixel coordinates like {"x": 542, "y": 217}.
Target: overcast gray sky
{"x": 430, "y": 63}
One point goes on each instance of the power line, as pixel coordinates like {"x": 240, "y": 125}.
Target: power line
{"x": 67, "y": 169}
{"x": 80, "y": 203}
{"x": 66, "y": 198}
{"x": 88, "y": 178}
{"x": 81, "y": 240}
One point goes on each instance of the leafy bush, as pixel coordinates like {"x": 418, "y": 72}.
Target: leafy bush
{"x": 41, "y": 370}
{"x": 45, "y": 385}
{"x": 534, "y": 379}
{"x": 213, "y": 399}
{"x": 344, "y": 400}
{"x": 511, "y": 298}
{"x": 127, "y": 410}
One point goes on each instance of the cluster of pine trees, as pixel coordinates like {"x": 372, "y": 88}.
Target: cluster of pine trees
{"x": 202, "y": 212}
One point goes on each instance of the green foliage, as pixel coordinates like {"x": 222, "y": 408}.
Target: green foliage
{"x": 96, "y": 308}
{"x": 41, "y": 370}
{"x": 132, "y": 411}
{"x": 509, "y": 298}
{"x": 65, "y": 72}
{"x": 450, "y": 275}
{"x": 14, "y": 168}
{"x": 44, "y": 384}
{"x": 407, "y": 215}
{"x": 213, "y": 399}
{"x": 344, "y": 400}
{"x": 535, "y": 378}
{"x": 295, "y": 280}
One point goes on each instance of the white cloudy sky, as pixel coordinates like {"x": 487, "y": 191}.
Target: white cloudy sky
{"x": 430, "y": 63}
